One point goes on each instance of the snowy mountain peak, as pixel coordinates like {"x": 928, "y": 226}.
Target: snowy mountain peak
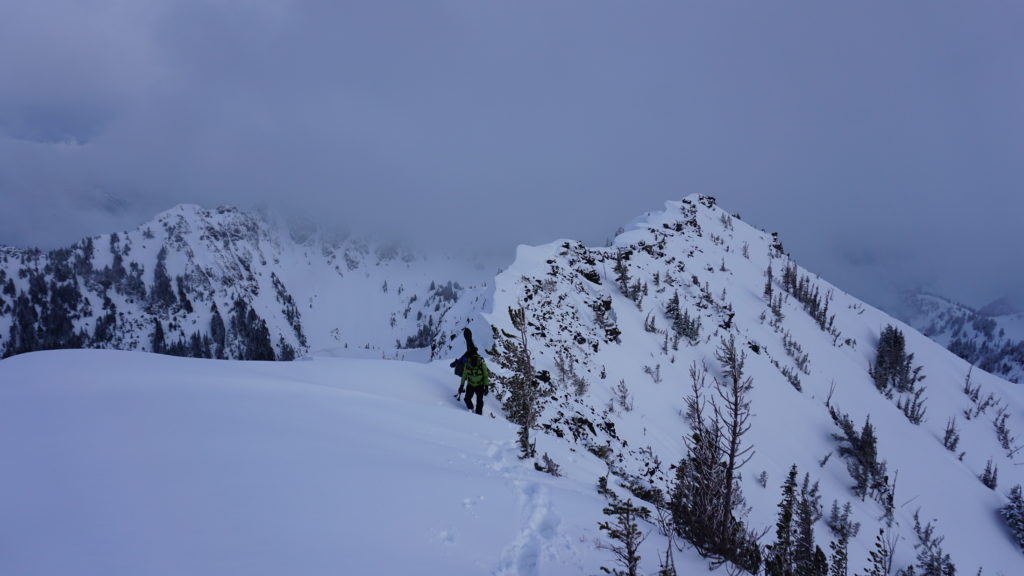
{"x": 621, "y": 328}
{"x": 194, "y": 272}
{"x": 1004, "y": 306}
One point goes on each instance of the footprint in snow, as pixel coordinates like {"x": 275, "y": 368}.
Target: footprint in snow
{"x": 539, "y": 529}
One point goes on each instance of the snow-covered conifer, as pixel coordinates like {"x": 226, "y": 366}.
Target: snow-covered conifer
{"x": 1013, "y": 514}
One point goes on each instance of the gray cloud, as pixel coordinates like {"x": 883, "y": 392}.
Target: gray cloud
{"x": 883, "y": 141}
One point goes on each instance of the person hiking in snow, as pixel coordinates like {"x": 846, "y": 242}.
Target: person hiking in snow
{"x": 477, "y": 376}
{"x": 460, "y": 362}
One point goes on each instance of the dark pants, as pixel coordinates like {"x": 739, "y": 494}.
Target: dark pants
{"x": 479, "y": 392}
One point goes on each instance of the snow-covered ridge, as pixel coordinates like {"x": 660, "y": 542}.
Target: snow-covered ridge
{"x": 314, "y": 292}
{"x": 607, "y": 309}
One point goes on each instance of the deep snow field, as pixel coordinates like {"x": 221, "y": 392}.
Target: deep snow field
{"x": 127, "y": 463}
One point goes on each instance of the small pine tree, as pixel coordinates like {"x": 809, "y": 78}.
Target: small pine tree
{"x": 549, "y": 466}
{"x": 1013, "y": 514}
{"x": 879, "y": 559}
{"x": 162, "y": 295}
{"x": 952, "y": 436}
{"x": 622, "y": 396}
{"x": 522, "y": 400}
{"x": 625, "y": 535}
{"x": 1003, "y": 431}
{"x": 931, "y": 560}
{"x": 218, "y": 332}
{"x": 622, "y": 272}
{"x": 732, "y": 416}
{"x": 990, "y": 477}
{"x": 865, "y": 457}
{"x": 893, "y": 370}
{"x": 840, "y": 556}
{"x": 840, "y": 523}
{"x": 913, "y": 406}
{"x": 705, "y": 503}
{"x": 698, "y": 492}
{"x": 861, "y": 452}
{"x": 186, "y": 304}
{"x": 780, "y": 559}
{"x": 158, "y": 341}
{"x": 688, "y": 327}
{"x": 809, "y": 557}
{"x": 672, "y": 309}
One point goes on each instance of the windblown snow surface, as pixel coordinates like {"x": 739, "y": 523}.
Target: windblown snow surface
{"x": 122, "y": 463}
{"x": 127, "y": 463}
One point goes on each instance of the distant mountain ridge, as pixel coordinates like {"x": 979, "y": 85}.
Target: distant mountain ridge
{"x": 230, "y": 284}
{"x": 991, "y": 338}
{"x": 1004, "y": 306}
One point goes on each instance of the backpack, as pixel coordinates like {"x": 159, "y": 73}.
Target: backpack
{"x": 475, "y": 373}
{"x": 460, "y": 364}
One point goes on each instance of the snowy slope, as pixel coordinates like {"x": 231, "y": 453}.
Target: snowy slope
{"x": 120, "y": 463}
{"x": 991, "y": 339}
{"x": 318, "y": 466}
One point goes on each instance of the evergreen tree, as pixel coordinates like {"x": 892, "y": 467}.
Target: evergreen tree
{"x": 1013, "y": 514}
{"x": 252, "y": 337}
{"x": 626, "y": 536}
{"x": 672, "y": 309}
{"x": 780, "y": 559}
{"x": 697, "y": 503}
{"x": 520, "y": 395}
{"x": 732, "y": 415}
{"x": 931, "y": 560}
{"x": 22, "y": 335}
{"x": 707, "y": 504}
{"x": 162, "y": 296}
{"x": 287, "y": 350}
{"x": 132, "y": 285}
{"x": 105, "y": 324}
{"x": 157, "y": 343}
{"x": 840, "y": 556}
{"x": 951, "y": 438}
{"x": 687, "y": 327}
{"x": 621, "y": 270}
{"x": 186, "y": 304}
{"x": 840, "y": 523}
{"x": 58, "y": 303}
{"x": 879, "y": 560}
{"x": 810, "y": 559}
{"x": 893, "y": 369}
{"x": 990, "y": 477}
{"x": 218, "y": 333}
{"x": 861, "y": 452}
{"x": 868, "y": 456}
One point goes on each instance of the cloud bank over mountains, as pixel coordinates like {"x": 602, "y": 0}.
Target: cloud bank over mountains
{"x": 882, "y": 142}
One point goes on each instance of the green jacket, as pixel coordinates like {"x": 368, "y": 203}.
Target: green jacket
{"x": 475, "y": 375}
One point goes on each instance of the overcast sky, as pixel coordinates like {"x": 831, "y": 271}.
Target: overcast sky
{"x": 883, "y": 140}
